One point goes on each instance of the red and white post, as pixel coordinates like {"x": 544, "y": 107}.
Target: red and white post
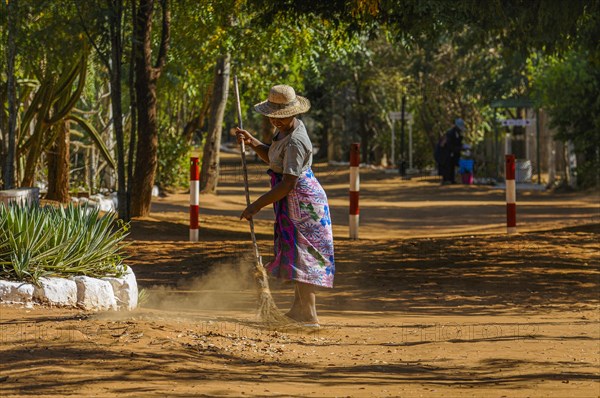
{"x": 194, "y": 198}
{"x": 354, "y": 189}
{"x": 511, "y": 196}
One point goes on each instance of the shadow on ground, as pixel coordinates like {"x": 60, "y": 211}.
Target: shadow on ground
{"x": 466, "y": 275}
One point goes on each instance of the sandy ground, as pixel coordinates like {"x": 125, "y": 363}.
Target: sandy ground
{"x": 434, "y": 300}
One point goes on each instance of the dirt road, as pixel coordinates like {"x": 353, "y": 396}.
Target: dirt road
{"x": 433, "y": 300}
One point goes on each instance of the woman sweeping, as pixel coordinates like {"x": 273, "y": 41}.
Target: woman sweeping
{"x": 303, "y": 237}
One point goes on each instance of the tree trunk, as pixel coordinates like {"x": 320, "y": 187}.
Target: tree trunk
{"x": 193, "y": 126}
{"x": 59, "y": 164}
{"x": 8, "y": 170}
{"x": 33, "y": 157}
{"x": 190, "y": 129}
{"x": 364, "y": 144}
{"x": 133, "y": 120}
{"x": 365, "y": 135}
{"x": 364, "y": 132}
{"x": 209, "y": 175}
{"x": 116, "y": 7}
{"x": 426, "y": 118}
{"x": 323, "y": 143}
{"x": 146, "y": 77}
{"x": 147, "y": 145}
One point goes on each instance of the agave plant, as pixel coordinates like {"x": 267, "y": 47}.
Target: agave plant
{"x": 4, "y": 244}
{"x": 47, "y": 241}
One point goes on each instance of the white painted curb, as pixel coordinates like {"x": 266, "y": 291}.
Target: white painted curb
{"x": 125, "y": 290}
{"x": 56, "y": 291}
{"x": 91, "y": 294}
{"x": 16, "y": 292}
{"x": 94, "y": 294}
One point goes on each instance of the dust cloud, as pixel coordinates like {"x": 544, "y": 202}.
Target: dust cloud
{"x": 226, "y": 286}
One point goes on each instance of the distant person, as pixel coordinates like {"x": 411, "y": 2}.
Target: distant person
{"x": 439, "y": 154}
{"x": 303, "y": 234}
{"x": 450, "y": 146}
{"x": 466, "y": 165}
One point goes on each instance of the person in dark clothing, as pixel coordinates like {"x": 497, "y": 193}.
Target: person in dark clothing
{"x": 448, "y": 153}
{"x": 439, "y": 154}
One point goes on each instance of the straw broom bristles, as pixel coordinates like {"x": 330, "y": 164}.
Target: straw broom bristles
{"x": 267, "y": 310}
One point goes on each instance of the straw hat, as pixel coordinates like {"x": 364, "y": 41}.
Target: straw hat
{"x": 282, "y": 102}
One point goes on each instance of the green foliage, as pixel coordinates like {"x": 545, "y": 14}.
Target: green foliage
{"x": 353, "y": 59}
{"x": 95, "y": 137}
{"x": 173, "y": 160}
{"x": 443, "y": 77}
{"x": 46, "y": 241}
{"x": 568, "y": 88}
{"x": 52, "y": 103}
{"x": 263, "y": 54}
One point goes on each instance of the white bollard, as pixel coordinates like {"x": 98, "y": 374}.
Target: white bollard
{"x": 511, "y": 196}
{"x": 194, "y": 198}
{"x": 354, "y": 189}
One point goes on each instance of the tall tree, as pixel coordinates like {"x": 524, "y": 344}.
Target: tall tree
{"x": 146, "y": 77}
{"x": 210, "y": 159}
{"x": 10, "y": 148}
{"x": 116, "y": 18}
{"x": 109, "y": 15}
{"x": 59, "y": 164}
{"x": 133, "y": 112}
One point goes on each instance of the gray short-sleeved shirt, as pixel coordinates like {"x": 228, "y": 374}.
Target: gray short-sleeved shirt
{"x": 293, "y": 153}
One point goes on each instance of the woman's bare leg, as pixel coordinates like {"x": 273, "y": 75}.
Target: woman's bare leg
{"x": 308, "y": 302}
{"x": 294, "y": 312}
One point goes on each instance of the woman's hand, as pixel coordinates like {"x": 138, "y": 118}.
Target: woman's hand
{"x": 261, "y": 149}
{"x": 249, "y": 211}
{"x": 278, "y": 192}
{"x": 243, "y": 135}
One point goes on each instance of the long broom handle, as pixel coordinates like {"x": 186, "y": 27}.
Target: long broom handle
{"x": 244, "y": 166}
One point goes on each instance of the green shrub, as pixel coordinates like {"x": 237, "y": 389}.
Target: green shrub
{"x": 173, "y": 161}
{"x": 46, "y": 241}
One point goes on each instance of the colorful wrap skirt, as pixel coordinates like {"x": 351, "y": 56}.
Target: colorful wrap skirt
{"x": 303, "y": 236}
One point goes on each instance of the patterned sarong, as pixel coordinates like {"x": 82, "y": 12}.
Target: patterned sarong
{"x": 303, "y": 235}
